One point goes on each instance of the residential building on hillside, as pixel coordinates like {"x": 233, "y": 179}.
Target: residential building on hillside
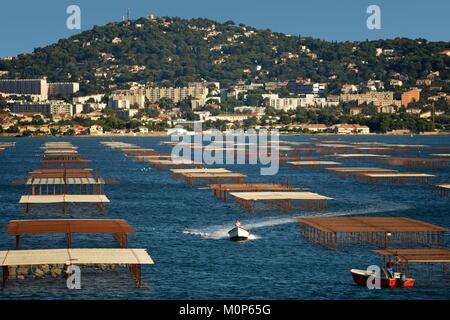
{"x": 95, "y": 129}
{"x": 119, "y": 104}
{"x": 355, "y": 111}
{"x": 38, "y": 88}
{"x": 132, "y": 99}
{"x": 270, "y": 86}
{"x": 52, "y": 108}
{"x": 65, "y": 89}
{"x": 154, "y": 94}
{"x": 345, "y": 128}
{"x": 33, "y": 87}
{"x": 384, "y": 98}
{"x": 386, "y": 109}
{"x": 310, "y": 127}
{"x": 77, "y": 108}
{"x": 424, "y": 82}
{"x": 142, "y": 129}
{"x": 301, "y": 87}
{"x": 233, "y": 117}
{"x": 305, "y": 101}
{"x": 349, "y": 88}
{"x": 178, "y": 94}
{"x": 126, "y": 114}
{"x": 249, "y": 109}
{"x": 413, "y": 110}
{"x": 84, "y": 99}
{"x": 396, "y": 83}
{"x": 374, "y": 85}
{"x": 410, "y": 96}
{"x": 204, "y": 84}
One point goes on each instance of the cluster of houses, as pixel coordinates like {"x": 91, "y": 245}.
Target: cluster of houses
{"x": 35, "y": 124}
{"x": 29, "y": 100}
{"x": 343, "y": 128}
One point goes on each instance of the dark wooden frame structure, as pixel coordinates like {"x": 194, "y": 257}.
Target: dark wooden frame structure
{"x": 64, "y": 181}
{"x": 418, "y": 163}
{"x": 357, "y": 156}
{"x": 119, "y": 228}
{"x": 379, "y": 231}
{"x": 395, "y": 177}
{"x": 206, "y": 178}
{"x": 136, "y": 258}
{"x": 159, "y": 156}
{"x": 169, "y": 164}
{"x": 312, "y": 165}
{"x": 131, "y": 258}
{"x": 442, "y": 189}
{"x": 68, "y": 163}
{"x": 280, "y": 201}
{"x": 221, "y": 190}
{"x": 345, "y": 172}
{"x": 133, "y": 152}
{"x": 180, "y": 172}
{"x": 373, "y": 150}
{"x": 285, "y": 159}
{"x": 62, "y": 156}
{"x": 63, "y": 199}
{"x": 405, "y": 258}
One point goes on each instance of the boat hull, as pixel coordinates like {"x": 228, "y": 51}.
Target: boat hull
{"x": 360, "y": 277}
{"x": 238, "y": 234}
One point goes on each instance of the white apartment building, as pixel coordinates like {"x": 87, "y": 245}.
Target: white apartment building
{"x": 132, "y": 99}
{"x": 84, "y": 99}
{"x": 259, "y": 110}
{"x": 54, "y": 108}
{"x": 154, "y": 94}
{"x": 383, "y": 98}
{"x": 61, "y": 109}
{"x": 305, "y": 101}
{"x": 119, "y": 104}
{"x": 64, "y": 89}
{"x": 33, "y": 87}
{"x": 176, "y": 94}
{"x": 38, "y": 88}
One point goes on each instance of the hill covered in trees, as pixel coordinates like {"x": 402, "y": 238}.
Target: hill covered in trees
{"x": 177, "y": 51}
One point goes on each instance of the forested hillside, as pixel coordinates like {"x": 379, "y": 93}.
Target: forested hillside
{"x": 177, "y": 51}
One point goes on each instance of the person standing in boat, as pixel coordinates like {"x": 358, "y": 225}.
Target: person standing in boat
{"x": 237, "y": 224}
{"x": 390, "y": 267}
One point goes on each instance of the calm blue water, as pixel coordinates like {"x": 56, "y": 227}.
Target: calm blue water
{"x": 184, "y": 230}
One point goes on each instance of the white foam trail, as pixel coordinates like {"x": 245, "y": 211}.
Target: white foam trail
{"x": 221, "y": 231}
{"x": 216, "y": 235}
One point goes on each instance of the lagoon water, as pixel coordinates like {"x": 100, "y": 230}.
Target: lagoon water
{"x": 185, "y": 229}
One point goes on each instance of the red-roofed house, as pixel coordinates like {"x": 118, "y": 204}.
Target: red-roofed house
{"x": 80, "y": 129}
{"x": 4, "y": 116}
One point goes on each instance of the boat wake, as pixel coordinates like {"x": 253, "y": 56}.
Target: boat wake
{"x": 218, "y": 232}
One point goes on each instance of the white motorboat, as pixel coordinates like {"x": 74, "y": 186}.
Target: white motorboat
{"x": 238, "y": 233}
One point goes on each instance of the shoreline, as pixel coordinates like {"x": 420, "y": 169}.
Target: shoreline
{"x": 164, "y": 134}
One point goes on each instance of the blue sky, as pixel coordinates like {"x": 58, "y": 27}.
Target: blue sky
{"x": 27, "y": 24}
